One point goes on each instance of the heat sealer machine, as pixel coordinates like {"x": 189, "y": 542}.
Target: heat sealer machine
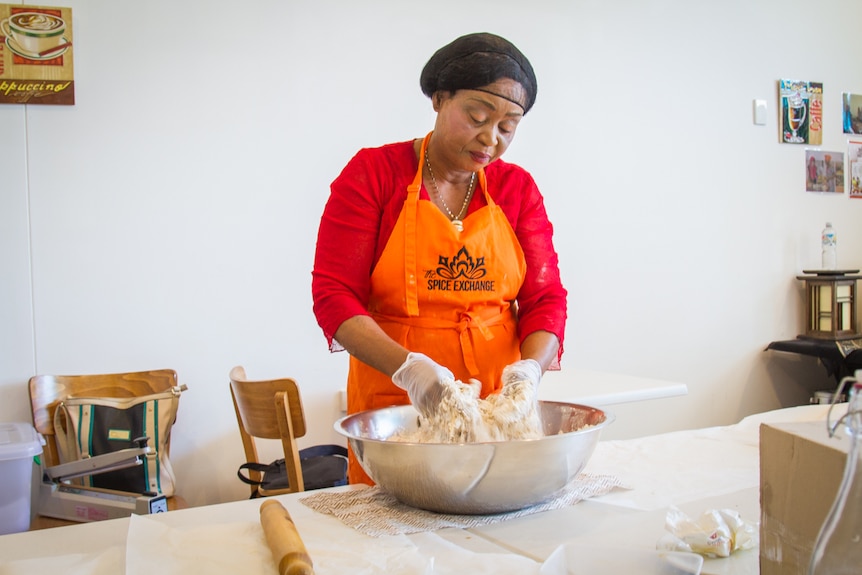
{"x": 61, "y": 499}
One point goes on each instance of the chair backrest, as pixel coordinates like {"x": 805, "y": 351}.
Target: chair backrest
{"x": 269, "y": 409}
{"x": 47, "y": 391}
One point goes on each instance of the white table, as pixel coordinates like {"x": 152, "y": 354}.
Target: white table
{"x": 598, "y": 389}
{"x": 695, "y": 470}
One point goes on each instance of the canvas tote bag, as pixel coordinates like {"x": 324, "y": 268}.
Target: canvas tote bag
{"x": 89, "y": 426}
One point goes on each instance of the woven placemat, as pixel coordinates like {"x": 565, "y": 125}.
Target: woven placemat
{"x": 375, "y": 512}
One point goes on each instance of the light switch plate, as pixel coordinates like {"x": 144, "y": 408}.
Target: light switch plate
{"x": 760, "y": 112}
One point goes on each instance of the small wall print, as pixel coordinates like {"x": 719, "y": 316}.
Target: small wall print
{"x": 36, "y": 55}
{"x": 801, "y": 112}
{"x": 854, "y": 161}
{"x": 852, "y": 113}
{"x": 824, "y": 171}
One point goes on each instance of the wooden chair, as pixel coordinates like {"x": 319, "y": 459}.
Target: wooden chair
{"x": 48, "y": 391}
{"x": 269, "y": 409}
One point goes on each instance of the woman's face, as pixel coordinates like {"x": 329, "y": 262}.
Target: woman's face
{"x": 475, "y": 127}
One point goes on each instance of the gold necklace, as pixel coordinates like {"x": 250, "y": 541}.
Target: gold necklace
{"x": 456, "y": 220}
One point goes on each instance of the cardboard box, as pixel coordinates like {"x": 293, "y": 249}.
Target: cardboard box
{"x": 800, "y": 471}
{"x": 19, "y": 443}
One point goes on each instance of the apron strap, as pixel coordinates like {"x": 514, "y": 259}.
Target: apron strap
{"x": 468, "y": 323}
{"x": 411, "y": 204}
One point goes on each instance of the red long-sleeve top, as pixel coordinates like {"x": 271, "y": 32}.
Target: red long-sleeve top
{"x": 364, "y": 204}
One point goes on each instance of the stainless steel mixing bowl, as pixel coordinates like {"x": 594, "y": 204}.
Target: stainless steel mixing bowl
{"x": 474, "y": 478}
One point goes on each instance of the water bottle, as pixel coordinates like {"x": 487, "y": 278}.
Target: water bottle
{"x": 828, "y": 250}
{"x": 838, "y": 550}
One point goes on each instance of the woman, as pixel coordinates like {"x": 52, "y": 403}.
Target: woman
{"x": 434, "y": 257}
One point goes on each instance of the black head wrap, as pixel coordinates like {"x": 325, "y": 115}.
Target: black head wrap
{"x": 474, "y": 61}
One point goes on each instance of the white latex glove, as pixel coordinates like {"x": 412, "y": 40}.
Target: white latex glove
{"x": 422, "y": 379}
{"x": 527, "y": 370}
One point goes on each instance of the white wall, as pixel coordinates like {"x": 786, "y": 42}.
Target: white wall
{"x": 169, "y": 218}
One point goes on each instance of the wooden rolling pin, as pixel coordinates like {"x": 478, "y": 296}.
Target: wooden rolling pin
{"x": 283, "y": 540}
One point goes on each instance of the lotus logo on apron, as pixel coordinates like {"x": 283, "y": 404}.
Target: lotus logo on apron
{"x": 461, "y": 273}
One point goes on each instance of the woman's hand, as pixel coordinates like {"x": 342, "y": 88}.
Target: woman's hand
{"x": 524, "y": 370}
{"x": 422, "y": 378}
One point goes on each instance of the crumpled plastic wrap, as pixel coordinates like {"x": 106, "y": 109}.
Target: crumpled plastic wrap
{"x": 716, "y": 533}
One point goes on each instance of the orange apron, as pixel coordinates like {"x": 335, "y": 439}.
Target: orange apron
{"x": 449, "y": 295}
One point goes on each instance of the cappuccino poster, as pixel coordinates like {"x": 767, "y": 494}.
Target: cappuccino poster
{"x": 36, "y": 55}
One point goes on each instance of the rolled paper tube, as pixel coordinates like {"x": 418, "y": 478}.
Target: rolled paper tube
{"x": 283, "y": 540}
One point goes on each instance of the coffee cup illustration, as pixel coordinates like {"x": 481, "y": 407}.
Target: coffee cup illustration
{"x": 34, "y": 33}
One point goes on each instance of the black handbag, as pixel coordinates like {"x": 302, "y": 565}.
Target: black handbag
{"x": 322, "y": 466}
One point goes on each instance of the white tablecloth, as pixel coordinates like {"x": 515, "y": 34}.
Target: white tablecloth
{"x": 696, "y": 470}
